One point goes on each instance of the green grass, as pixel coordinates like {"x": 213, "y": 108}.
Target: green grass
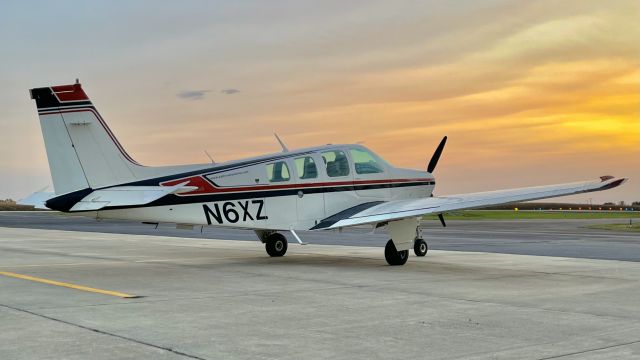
{"x": 617, "y": 227}
{"x": 533, "y": 214}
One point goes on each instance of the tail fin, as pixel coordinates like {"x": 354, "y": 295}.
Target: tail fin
{"x": 81, "y": 149}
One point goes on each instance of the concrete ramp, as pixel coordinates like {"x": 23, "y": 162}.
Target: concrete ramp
{"x": 212, "y": 299}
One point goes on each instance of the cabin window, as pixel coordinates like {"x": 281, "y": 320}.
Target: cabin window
{"x": 306, "y": 167}
{"x": 365, "y": 162}
{"x": 278, "y": 172}
{"x": 336, "y": 163}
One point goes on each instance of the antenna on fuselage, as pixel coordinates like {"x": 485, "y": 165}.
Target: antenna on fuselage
{"x": 209, "y": 156}
{"x": 284, "y": 147}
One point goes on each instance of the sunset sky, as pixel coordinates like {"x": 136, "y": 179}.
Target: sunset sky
{"x": 529, "y": 92}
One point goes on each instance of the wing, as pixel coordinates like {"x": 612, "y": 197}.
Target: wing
{"x": 378, "y": 212}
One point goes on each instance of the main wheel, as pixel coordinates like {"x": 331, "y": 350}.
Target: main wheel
{"x": 393, "y": 256}
{"x": 420, "y": 247}
{"x": 276, "y": 245}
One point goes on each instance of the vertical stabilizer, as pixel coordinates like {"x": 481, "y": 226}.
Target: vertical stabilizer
{"x": 81, "y": 149}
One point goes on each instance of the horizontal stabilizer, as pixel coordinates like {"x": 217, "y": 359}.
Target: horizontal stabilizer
{"x": 127, "y": 196}
{"x": 37, "y": 199}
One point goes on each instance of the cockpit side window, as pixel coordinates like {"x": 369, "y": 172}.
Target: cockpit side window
{"x": 278, "y": 172}
{"x": 336, "y": 162}
{"x": 306, "y": 167}
{"x": 365, "y": 162}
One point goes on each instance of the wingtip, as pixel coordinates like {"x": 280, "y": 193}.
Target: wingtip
{"x": 612, "y": 182}
{"x": 609, "y": 177}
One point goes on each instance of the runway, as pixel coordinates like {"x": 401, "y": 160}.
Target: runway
{"x": 85, "y": 294}
{"x": 568, "y": 238}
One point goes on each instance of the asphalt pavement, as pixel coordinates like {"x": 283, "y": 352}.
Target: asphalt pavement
{"x": 564, "y": 238}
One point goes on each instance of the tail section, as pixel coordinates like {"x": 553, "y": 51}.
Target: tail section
{"x": 81, "y": 149}
{"x": 83, "y": 153}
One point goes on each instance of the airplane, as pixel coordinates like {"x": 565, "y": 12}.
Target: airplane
{"x": 316, "y": 188}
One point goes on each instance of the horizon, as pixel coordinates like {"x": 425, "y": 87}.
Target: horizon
{"x": 528, "y": 94}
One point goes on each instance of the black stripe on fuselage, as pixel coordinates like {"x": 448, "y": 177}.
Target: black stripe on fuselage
{"x": 66, "y": 201}
{"x": 183, "y": 200}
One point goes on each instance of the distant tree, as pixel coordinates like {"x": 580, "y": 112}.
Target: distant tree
{"x": 621, "y": 203}
{"x": 635, "y": 203}
{"x": 609, "y": 204}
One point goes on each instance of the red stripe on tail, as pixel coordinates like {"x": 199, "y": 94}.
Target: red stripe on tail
{"x": 69, "y": 93}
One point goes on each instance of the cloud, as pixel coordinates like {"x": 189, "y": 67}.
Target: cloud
{"x": 192, "y": 94}
{"x": 230, "y": 91}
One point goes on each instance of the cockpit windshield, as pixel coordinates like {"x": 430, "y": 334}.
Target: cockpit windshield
{"x": 366, "y": 162}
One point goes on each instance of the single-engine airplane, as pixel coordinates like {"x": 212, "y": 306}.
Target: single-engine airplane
{"x": 316, "y": 188}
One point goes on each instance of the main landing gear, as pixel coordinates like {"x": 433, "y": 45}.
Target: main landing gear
{"x": 275, "y": 244}
{"x": 393, "y": 256}
{"x": 399, "y": 257}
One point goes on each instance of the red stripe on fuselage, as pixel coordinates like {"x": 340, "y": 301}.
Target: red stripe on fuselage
{"x": 205, "y": 187}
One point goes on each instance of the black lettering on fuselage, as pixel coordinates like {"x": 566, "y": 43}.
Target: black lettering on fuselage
{"x": 208, "y": 213}
{"x": 231, "y": 215}
{"x": 259, "y": 215}
{"x": 230, "y": 212}
{"x": 245, "y": 210}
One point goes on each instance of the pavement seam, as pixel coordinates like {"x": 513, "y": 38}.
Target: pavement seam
{"x": 102, "y": 332}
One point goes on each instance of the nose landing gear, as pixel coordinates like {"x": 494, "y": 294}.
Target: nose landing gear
{"x": 420, "y": 247}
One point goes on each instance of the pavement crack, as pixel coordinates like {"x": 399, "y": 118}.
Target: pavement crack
{"x": 102, "y": 332}
{"x": 590, "y": 350}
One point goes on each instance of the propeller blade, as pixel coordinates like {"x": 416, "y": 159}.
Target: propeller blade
{"x": 441, "y": 217}
{"x": 436, "y": 155}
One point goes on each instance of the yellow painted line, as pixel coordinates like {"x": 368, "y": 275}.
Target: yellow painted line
{"x": 67, "y": 285}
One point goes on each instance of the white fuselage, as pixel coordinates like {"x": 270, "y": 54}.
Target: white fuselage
{"x": 284, "y": 191}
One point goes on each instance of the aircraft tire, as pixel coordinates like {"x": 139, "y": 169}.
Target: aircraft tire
{"x": 276, "y": 245}
{"x": 420, "y": 247}
{"x": 393, "y": 256}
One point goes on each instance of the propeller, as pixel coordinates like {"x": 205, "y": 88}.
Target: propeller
{"x": 432, "y": 166}
{"x": 436, "y": 155}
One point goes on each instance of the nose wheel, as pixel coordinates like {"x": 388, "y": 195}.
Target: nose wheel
{"x": 276, "y": 245}
{"x": 420, "y": 247}
{"x": 393, "y": 256}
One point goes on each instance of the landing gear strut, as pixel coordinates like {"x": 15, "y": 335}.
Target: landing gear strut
{"x": 393, "y": 256}
{"x": 276, "y": 244}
